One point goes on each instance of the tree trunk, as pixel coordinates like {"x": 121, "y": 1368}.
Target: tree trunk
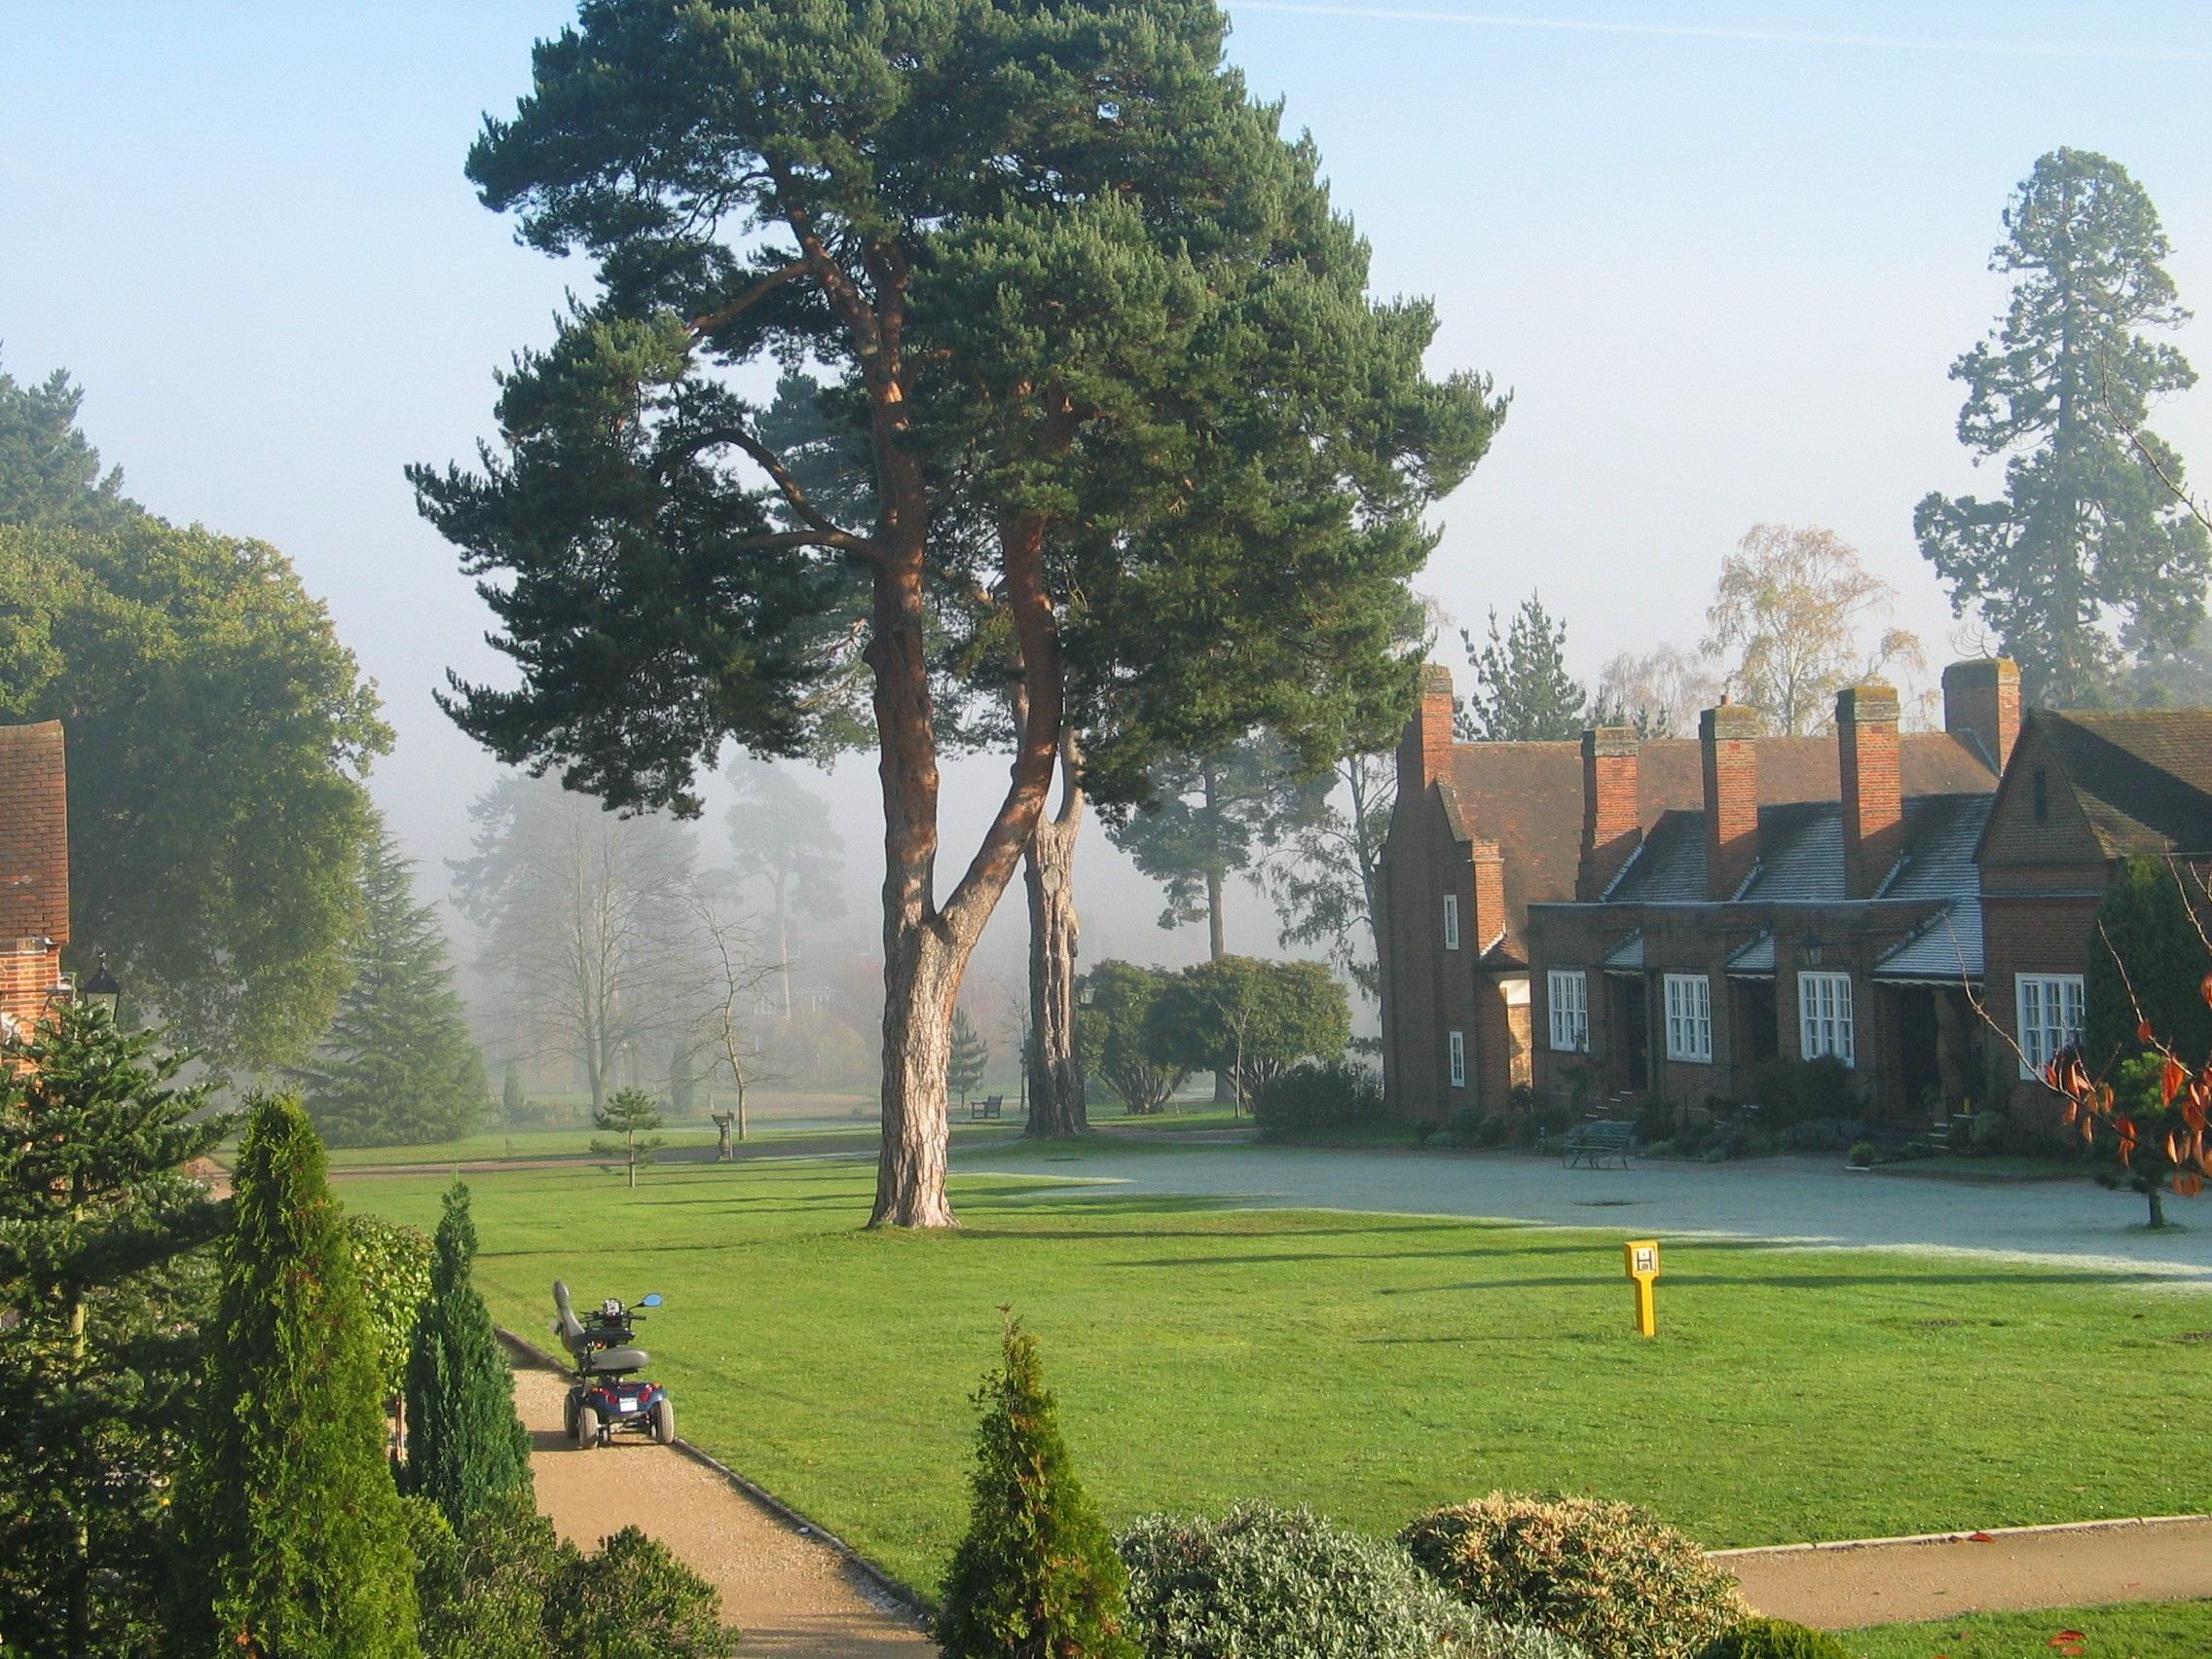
{"x": 919, "y": 982}
{"x": 1224, "y": 1089}
{"x": 2157, "y": 1204}
{"x": 784, "y": 949}
{"x": 1052, "y": 1073}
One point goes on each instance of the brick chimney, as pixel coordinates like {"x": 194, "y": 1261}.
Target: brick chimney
{"x": 1424, "y": 751}
{"x": 1613, "y": 807}
{"x": 1489, "y": 919}
{"x": 1731, "y": 795}
{"x": 1873, "y": 787}
{"x": 1982, "y": 697}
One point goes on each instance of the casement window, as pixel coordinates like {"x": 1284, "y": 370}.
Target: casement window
{"x": 2049, "y": 1007}
{"x": 1451, "y": 921}
{"x": 1458, "y": 1042}
{"x": 1823, "y": 1018}
{"x": 1689, "y": 1017}
{"x": 1567, "y": 994}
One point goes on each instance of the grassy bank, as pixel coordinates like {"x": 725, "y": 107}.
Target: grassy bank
{"x": 2138, "y": 1630}
{"x": 1369, "y": 1366}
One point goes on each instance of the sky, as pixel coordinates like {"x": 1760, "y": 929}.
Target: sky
{"x": 1722, "y": 256}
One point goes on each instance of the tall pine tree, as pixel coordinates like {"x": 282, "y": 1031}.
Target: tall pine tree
{"x": 398, "y": 1064}
{"x": 1523, "y": 692}
{"x": 2087, "y": 533}
{"x": 294, "y": 1539}
{"x": 100, "y": 1295}
{"x": 466, "y": 1446}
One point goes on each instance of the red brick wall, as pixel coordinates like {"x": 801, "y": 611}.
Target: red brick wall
{"x": 1984, "y": 698}
{"x": 1613, "y": 807}
{"x": 1873, "y": 787}
{"x": 28, "y": 973}
{"x": 34, "y": 833}
{"x": 1427, "y": 990}
{"x": 1731, "y": 795}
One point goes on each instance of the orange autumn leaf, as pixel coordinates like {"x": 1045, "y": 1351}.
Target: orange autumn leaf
{"x": 2170, "y": 1080}
{"x": 2205, "y": 987}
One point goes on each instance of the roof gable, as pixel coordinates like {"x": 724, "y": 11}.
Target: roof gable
{"x": 2142, "y": 778}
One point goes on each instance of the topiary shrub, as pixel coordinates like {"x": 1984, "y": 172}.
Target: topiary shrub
{"x": 1318, "y": 1094}
{"x": 1268, "y": 1583}
{"x": 1609, "y": 1576}
{"x": 1862, "y": 1155}
{"x": 1775, "y": 1639}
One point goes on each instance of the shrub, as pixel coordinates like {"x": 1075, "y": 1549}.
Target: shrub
{"x": 1036, "y": 1573}
{"x": 1775, "y": 1639}
{"x": 1862, "y": 1155}
{"x": 1991, "y": 1130}
{"x": 483, "y": 1590}
{"x": 393, "y": 1263}
{"x": 1609, "y": 1576}
{"x": 1426, "y": 1131}
{"x": 1266, "y": 1583}
{"x": 1320, "y": 1095}
{"x": 1465, "y": 1127}
{"x": 632, "y": 1599}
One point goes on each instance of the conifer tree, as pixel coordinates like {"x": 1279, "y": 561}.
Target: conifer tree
{"x": 2089, "y": 530}
{"x": 295, "y": 1541}
{"x": 514, "y": 1101}
{"x": 398, "y": 1064}
{"x": 466, "y": 1446}
{"x": 100, "y": 1292}
{"x": 1523, "y": 692}
{"x": 1037, "y": 1576}
{"x": 971, "y": 1057}
{"x": 627, "y": 1115}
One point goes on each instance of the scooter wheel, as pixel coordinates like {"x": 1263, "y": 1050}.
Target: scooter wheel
{"x": 664, "y": 1422}
{"x": 587, "y": 1428}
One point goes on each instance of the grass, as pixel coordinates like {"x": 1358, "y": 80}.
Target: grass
{"x": 2136, "y": 1630}
{"x": 1371, "y": 1366}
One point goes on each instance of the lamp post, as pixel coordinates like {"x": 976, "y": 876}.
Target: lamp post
{"x": 102, "y": 993}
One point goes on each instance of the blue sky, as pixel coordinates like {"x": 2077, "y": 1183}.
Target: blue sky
{"x": 1723, "y": 268}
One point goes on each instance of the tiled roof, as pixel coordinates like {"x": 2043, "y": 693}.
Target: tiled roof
{"x": 2144, "y": 777}
{"x": 34, "y": 833}
{"x": 1625, "y": 956}
{"x": 1942, "y": 950}
{"x": 1527, "y": 797}
{"x": 1755, "y": 959}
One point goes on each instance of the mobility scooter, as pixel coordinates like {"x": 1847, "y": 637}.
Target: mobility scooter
{"x": 603, "y": 1399}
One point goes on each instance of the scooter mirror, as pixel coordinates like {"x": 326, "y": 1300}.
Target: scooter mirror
{"x": 651, "y": 1300}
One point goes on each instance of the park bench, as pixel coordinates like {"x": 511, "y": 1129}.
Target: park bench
{"x": 1590, "y": 1144}
{"x": 991, "y": 1106}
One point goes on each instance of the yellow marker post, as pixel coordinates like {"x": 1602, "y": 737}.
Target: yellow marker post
{"x": 1643, "y": 1267}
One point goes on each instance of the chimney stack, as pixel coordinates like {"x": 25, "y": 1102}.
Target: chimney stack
{"x": 1873, "y": 787}
{"x": 1731, "y": 796}
{"x": 1982, "y": 697}
{"x": 1613, "y": 807}
{"x": 1424, "y": 751}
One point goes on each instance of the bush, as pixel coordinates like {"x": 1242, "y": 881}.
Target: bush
{"x": 1991, "y": 1130}
{"x": 632, "y": 1599}
{"x": 1426, "y": 1131}
{"x": 393, "y": 1263}
{"x": 1862, "y": 1155}
{"x": 1465, "y": 1127}
{"x": 1318, "y": 1094}
{"x": 1775, "y": 1639}
{"x": 483, "y": 1590}
{"x": 1266, "y": 1583}
{"x": 1608, "y": 1576}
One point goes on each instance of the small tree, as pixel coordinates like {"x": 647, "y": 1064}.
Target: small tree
{"x": 1250, "y": 1019}
{"x": 971, "y": 1057}
{"x": 295, "y": 1541}
{"x": 1037, "y": 1575}
{"x": 1523, "y": 692}
{"x": 466, "y": 1445}
{"x": 632, "y": 1599}
{"x": 627, "y": 1115}
{"x": 100, "y": 1293}
{"x": 514, "y": 1104}
{"x": 1113, "y": 1003}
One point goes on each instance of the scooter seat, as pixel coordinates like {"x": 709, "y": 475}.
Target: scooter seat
{"x": 615, "y": 1359}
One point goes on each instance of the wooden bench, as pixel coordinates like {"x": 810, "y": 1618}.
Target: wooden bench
{"x": 991, "y": 1107}
{"x": 1590, "y": 1144}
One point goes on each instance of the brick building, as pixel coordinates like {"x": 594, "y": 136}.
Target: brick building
{"x": 2083, "y": 791}
{"x": 1488, "y": 837}
{"x": 34, "y": 869}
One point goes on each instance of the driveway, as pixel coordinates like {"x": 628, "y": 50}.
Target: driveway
{"x": 1809, "y": 1200}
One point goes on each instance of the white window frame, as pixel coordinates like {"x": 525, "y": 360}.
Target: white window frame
{"x": 1456, "y": 1043}
{"x": 1824, "y": 1024}
{"x": 1451, "y": 921}
{"x": 1567, "y": 1002}
{"x": 2048, "y": 1008}
{"x": 1689, "y": 1017}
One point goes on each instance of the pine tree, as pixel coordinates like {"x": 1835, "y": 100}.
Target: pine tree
{"x": 628, "y": 1113}
{"x": 1522, "y": 693}
{"x": 971, "y": 1057}
{"x": 2087, "y": 530}
{"x": 1037, "y": 1576}
{"x": 514, "y": 1104}
{"x": 294, "y": 1538}
{"x": 398, "y": 1065}
{"x": 466, "y": 1445}
{"x": 100, "y": 1294}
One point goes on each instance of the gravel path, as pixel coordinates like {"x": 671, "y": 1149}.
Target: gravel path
{"x": 793, "y": 1597}
{"x": 1839, "y": 1587}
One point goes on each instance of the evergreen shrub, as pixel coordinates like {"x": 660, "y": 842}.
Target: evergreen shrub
{"x": 1266, "y": 1583}
{"x": 466, "y": 1445}
{"x": 1775, "y": 1639}
{"x": 632, "y": 1599}
{"x": 393, "y": 1263}
{"x": 1608, "y": 1576}
{"x": 1320, "y": 1095}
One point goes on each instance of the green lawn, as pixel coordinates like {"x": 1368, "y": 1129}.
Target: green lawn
{"x": 1369, "y": 1366}
{"x": 2139, "y": 1630}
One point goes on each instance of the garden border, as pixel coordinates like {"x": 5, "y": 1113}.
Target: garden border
{"x": 907, "y": 1599}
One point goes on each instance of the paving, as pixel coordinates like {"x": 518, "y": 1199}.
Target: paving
{"x": 1809, "y": 1200}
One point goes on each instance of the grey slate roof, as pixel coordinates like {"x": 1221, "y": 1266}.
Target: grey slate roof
{"x": 1800, "y": 856}
{"x": 1755, "y": 959}
{"x": 1943, "y": 950}
{"x": 1626, "y": 957}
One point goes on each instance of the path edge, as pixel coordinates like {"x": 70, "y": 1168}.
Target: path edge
{"x": 1989, "y": 1533}
{"x": 907, "y": 1599}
